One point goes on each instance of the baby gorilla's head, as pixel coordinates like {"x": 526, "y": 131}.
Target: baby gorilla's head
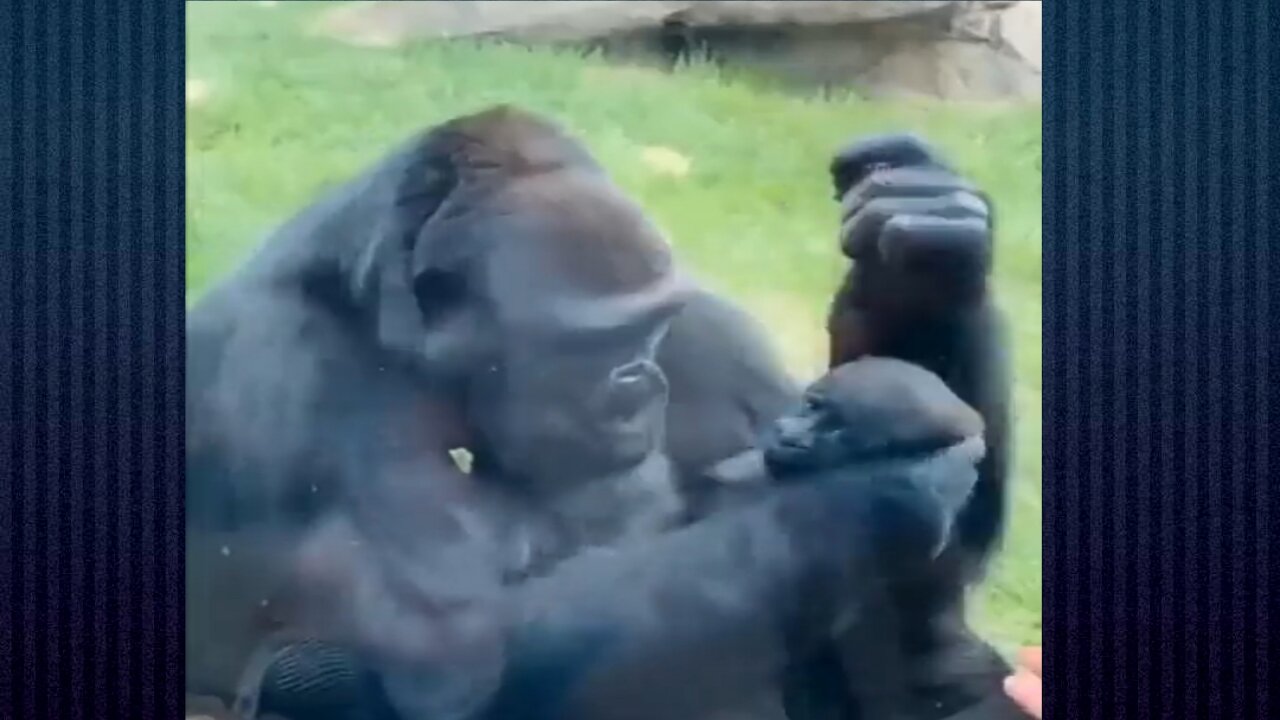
{"x": 867, "y": 410}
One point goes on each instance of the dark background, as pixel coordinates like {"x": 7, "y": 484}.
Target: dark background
{"x": 1158, "y": 266}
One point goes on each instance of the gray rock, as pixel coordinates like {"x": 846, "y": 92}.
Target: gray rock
{"x": 392, "y": 23}
{"x": 946, "y": 48}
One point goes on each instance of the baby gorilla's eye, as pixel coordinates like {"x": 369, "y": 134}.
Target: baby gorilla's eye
{"x": 823, "y": 415}
{"x": 814, "y": 404}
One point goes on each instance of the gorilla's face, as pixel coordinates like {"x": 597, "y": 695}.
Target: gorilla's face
{"x": 814, "y": 436}
{"x": 562, "y": 409}
{"x": 582, "y": 289}
{"x": 560, "y": 290}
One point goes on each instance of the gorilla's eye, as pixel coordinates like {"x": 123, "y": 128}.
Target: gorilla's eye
{"x": 822, "y": 413}
{"x": 438, "y": 292}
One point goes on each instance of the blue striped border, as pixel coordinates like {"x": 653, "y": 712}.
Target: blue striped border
{"x": 1158, "y": 288}
{"x": 91, "y": 357}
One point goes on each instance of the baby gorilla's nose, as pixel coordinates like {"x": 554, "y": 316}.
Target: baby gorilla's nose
{"x": 794, "y": 432}
{"x": 631, "y": 388}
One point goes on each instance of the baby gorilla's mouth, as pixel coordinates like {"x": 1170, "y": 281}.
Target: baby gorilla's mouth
{"x": 794, "y": 443}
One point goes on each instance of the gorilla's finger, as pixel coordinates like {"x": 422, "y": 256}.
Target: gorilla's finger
{"x": 965, "y": 202}
{"x": 904, "y": 182}
{"x": 949, "y": 487}
{"x": 852, "y": 164}
{"x": 952, "y": 247}
{"x": 861, "y": 230}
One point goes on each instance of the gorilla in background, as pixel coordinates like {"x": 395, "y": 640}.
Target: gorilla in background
{"x": 920, "y": 238}
{"x": 486, "y": 287}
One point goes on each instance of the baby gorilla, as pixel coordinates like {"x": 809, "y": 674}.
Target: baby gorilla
{"x": 873, "y": 409}
{"x": 790, "y": 544}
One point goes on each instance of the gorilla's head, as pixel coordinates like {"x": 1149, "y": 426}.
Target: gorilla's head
{"x": 870, "y": 409}
{"x": 533, "y": 292}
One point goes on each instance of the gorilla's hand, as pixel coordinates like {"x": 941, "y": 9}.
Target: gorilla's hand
{"x": 919, "y": 233}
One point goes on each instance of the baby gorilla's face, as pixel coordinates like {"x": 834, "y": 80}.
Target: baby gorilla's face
{"x": 874, "y": 408}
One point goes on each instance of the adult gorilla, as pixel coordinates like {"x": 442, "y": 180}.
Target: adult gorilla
{"x": 483, "y": 287}
{"x": 486, "y": 287}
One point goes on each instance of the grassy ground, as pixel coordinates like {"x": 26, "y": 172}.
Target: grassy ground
{"x": 733, "y": 171}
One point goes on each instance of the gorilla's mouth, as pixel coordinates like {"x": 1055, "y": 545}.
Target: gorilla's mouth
{"x": 794, "y": 448}
{"x": 791, "y": 455}
{"x": 617, "y": 448}
{"x": 560, "y": 459}
{"x": 792, "y": 442}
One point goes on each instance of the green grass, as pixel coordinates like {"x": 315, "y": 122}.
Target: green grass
{"x": 289, "y": 113}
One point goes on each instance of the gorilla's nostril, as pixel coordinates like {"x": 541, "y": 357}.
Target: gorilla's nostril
{"x": 631, "y": 388}
{"x": 632, "y": 371}
{"x": 793, "y": 433}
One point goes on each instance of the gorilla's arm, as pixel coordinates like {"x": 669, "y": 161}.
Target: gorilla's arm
{"x": 920, "y": 238}
{"x": 674, "y": 626}
{"x": 688, "y": 622}
{"x": 321, "y": 506}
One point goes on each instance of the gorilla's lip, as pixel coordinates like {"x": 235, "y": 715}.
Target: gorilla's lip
{"x": 580, "y": 464}
{"x": 790, "y": 456}
{"x": 792, "y": 443}
{"x": 637, "y": 427}
{"x": 778, "y": 439}
{"x": 600, "y": 452}
{"x": 628, "y": 447}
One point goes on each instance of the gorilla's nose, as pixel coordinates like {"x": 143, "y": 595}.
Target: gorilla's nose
{"x": 794, "y": 433}
{"x": 631, "y": 388}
